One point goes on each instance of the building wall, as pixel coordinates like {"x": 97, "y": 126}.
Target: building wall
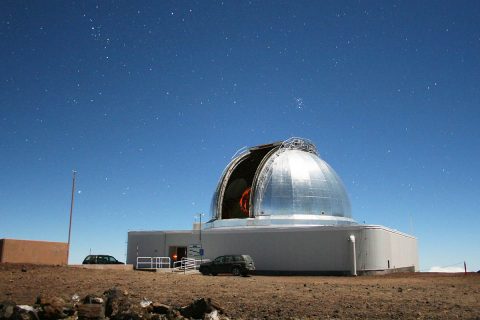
{"x": 145, "y": 244}
{"x": 180, "y": 239}
{"x": 291, "y": 249}
{"x": 382, "y": 249}
{"x": 286, "y": 249}
{"x": 35, "y": 252}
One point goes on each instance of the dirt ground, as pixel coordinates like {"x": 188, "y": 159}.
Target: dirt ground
{"x": 398, "y": 296}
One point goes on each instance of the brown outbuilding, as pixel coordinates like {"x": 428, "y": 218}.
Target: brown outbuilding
{"x": 34, "y": 252}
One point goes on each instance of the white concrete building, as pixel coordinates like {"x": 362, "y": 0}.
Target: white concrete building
{"x": 288, "y": 209}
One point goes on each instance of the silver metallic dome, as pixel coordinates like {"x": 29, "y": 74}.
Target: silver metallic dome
{"x": 284, "y": 183}
{"x": 298, "y": 182}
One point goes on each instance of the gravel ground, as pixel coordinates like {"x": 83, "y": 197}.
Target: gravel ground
{"x": 404, "y": 296}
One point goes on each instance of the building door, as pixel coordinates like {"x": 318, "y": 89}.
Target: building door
{"x": 181, "y": 253}
{"x": 177, "y": 253}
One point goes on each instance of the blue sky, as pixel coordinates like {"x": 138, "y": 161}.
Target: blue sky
{"x": 149, "y": 101}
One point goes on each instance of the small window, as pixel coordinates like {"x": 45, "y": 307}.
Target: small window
{"x": 220, "y": 259}
{"x": 228, "y": 259}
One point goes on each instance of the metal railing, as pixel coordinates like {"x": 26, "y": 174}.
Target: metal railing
{"x": 187, "y": 264}
{"x": 198, "y": 262}
{"x": 153, "y": 263}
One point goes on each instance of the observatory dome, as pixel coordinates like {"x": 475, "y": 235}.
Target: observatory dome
{"x": 299, "y": 182}
{"x": 282, "y": 183}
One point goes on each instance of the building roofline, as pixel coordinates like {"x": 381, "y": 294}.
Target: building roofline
{"x": 278, "y": 228}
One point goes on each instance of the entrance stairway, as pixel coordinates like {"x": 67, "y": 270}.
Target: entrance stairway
{"x": 186, "y": 265}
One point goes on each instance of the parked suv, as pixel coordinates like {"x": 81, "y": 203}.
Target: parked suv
{"x": 234, "y": 264}
{"x": 101, "y": 259}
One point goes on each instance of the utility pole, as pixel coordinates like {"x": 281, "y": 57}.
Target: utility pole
{"x": 71, "y": 212}
{"x": 200, "y": 233}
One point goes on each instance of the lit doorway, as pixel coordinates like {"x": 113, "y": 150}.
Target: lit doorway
{"x": 177, "y": 253}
